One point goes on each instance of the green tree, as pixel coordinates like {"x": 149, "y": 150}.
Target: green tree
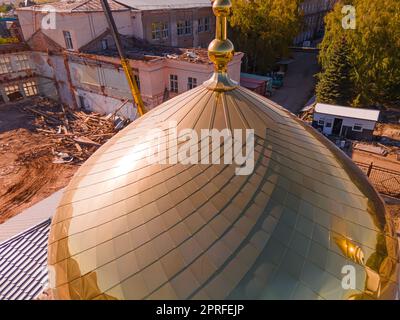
{"x": 375, "y": 49}
{"x": 5, "y": 7}
{"x": 264, "y": 30}
{"x": 336, "y": 84}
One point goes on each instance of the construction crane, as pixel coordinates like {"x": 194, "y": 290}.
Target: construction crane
{"x": 124, "y": 61}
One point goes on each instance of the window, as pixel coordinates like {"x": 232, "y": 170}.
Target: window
{"x": 204, "y": 24}
{"x": 328, "y": 124}
{"x": 137, "y": 79}
{"x": 173, "y": 83}
{"x": 192, "y": 83}
{"x": 30, "y": 88}
{"x": 68, "y": 40}
{"x": 22, "y": 62}
{"x": 82, "y": 101}
{"x": 357, "y": 127}
{"x": 12, "y": 92}
{"x": 207, "y": 24}
{"x": 165, "y": 31}
{"x": 184, "y": 27}
{"x": 321, "y": 122}
{"x": 104, "y": 44}
{"x": 5, "y": 65}
{"x": 159, "y": 30}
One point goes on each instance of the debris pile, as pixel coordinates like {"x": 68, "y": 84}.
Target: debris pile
{"x": 74, "y": 134}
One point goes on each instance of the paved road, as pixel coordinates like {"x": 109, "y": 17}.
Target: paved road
{"x": 299, "y": 82}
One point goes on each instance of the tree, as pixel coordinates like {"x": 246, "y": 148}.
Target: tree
{"x": 374, "y": 46}
{"x": 336, "y": 84}
{"x": 264, "y": 30}
{"x": 5, "y": 7}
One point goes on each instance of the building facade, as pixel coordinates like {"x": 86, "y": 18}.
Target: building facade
{"x": 79, "y": 53}
{"x": 314, "y": 12}
{"x": 351, "y": 123}
{"x": 19, "y": 77}
{"x": 172, "y": 24}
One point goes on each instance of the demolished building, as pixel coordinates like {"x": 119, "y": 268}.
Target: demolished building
{"x": 71, "y": 45}
{"x": 19, "y": 76}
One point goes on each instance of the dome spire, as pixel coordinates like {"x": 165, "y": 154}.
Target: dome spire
{"x": 221, "y": 49}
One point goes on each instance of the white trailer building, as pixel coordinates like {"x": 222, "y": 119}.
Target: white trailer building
{"x": 352, "y": 123}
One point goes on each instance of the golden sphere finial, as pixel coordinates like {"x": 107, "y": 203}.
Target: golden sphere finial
{"x": 221, "y": 49}
{"x": 221, "y": 7}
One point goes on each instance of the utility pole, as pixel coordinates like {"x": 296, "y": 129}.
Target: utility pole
{"x": 124, "y": 61}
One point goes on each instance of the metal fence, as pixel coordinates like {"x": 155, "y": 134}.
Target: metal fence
{"x": 384, "y": 180}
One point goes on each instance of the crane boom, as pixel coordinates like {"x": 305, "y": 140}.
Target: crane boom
{"x": 124, "y": 61}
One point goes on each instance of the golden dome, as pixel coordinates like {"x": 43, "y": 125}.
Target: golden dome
{"x": 130, "y": 229}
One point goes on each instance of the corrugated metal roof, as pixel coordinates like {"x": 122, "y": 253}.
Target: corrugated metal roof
{"x": 165, "y": 4}
{"x": 30, "y": 217}
{"x": 348, "y": 112}
{"x": 23, "y": 264}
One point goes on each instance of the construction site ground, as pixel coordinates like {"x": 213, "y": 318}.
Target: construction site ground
{"x": 388, "y": 162}
{"x": 39, "y": 152}
{"x": 390, "y": 141}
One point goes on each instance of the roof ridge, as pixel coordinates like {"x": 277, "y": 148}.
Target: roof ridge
{"x": 99, "y": 37}
{"x": 80, "y": 4}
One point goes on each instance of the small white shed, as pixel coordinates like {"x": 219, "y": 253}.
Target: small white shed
{"x": 352, "y": 123}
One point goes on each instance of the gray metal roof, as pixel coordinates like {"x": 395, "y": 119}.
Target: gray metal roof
{"x": 23, "y": 263}
{"x": 165, "y": 4}
{"x": 32, "y": 216}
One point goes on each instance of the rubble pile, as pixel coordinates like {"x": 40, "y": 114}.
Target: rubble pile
{"x": 74, "y": 134}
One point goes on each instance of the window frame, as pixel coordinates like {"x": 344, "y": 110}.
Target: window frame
{"x": 68, "y": 40}
{"x": 104, "y": 44}
{"x": 173, "y": 83}
{"x": 5, "y": 65}
{"x": 207, "y": 26}
{"x": 192, "y": 83}
{"x": 22, "y": 62}
{"x": 8, "y": 91}
{"x": 203, "y": 24}
{"x": 358, "y": 125}
{"x": 137, "y": 79}
{"x": 184, "y": 27}
{"x": 159, "y": 30}
{"x": 30, "y": 88}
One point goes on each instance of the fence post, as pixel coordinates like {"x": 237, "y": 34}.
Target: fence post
{"x": 370, "y": 169}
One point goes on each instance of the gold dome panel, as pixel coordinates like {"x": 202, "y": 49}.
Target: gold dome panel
{"x": 127, "y": 229}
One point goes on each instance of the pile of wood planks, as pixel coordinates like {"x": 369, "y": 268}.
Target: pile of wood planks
{"x": 75, "y": 134}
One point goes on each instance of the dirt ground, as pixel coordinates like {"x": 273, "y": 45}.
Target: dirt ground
{"x": 388, "y": 162}
{"x": 27, "y": 174}
{"x": 391, "y": 132}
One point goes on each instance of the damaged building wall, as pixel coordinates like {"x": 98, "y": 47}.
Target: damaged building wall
{"x": 81, "y": 26}
{"x": 46, "y": 79}
{"x": 52, "y": 68}
{"x": 105, "y": 104}
{"x": 89, "y": 73}
{"x": 19, "y": 77}
{"x": 184, "y": 28}
{"x": 100, "y": 87}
